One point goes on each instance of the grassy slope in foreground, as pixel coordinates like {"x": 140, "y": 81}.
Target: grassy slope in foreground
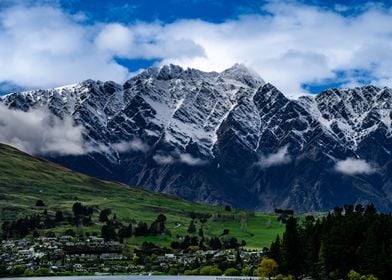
{"x": 25, "y": 179}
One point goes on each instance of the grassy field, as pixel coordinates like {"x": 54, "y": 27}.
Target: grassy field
{"x": 25, "y": 179}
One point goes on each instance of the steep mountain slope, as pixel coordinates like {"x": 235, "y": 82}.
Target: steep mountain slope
{"x": 229, "y": 138}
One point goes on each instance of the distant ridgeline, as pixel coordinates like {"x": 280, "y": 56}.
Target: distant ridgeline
{"x": 347, "y": 242}
{"x": 220, "y": 138}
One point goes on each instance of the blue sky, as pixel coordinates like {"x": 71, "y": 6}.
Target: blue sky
{"x": 172, "y": 10}
{"x": 300, "y": 46}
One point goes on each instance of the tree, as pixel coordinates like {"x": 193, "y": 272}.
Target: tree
{"x": 185, "y": 243}
{"x": 291, "y": 249}
{"x": 353, "y": 275}
{"x": 59, "y": 217}
{"x": 268, "y": 268}
{"x": 104, "y": 215}
{"x": 108, "y": 232}
{"x": 192, "y": 227}
{"x": 125, "y": 232}
{"x": 231, "y": 243}
{"x": 175, "y": 245}
{"x": 201, "y": 233}
{"x": 39, "y": 203}
{"x": 238, "y": 259}
{"x": 158, "y": 226}
{"x": 225, "y": 232}
{"x": 69, "y": 232}
{"x": 35, "y": 234}
{"x": 77, "y": 209}
{"x": 215, "y": 243}
{"x": 141, "y": 229}
{"x": 80, "y": 210}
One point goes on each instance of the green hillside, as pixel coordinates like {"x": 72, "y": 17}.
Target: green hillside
{"x": 25, "y": 179}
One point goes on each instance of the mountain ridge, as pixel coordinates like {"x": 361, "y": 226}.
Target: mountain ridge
{"x": 229, "y": 137}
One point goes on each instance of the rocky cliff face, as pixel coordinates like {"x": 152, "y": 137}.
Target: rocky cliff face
{"x": 230, "y": 138}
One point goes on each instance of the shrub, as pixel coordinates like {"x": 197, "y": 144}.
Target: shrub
{"x": 18, "y": 270}
{"x": 247, "y": 271}
{"x": 42, "y": 272}
{"x": 215, "y": 271}
{"x": 206, "y": 270}
{"x": 173, "y": 271}
{"x": 232, "y": 272}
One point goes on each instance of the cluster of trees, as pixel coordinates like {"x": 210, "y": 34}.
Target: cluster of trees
{"x": 193, "y": 240}
{"x": 115, "y": 230}
{"x": 284, "y": 214}
{"x": 82, "y": 214}
{"x": 23, "y": 226}
{"x": 351, "y": 238}
{"x": 30, "y": 224}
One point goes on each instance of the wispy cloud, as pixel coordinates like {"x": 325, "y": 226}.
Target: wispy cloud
{"x": 40, "y": 132}
{"x": 163, "y": 159}
{"x": 191, "y": 160}
{"x": 176, "y": 157}
{"x": 352, "y": 166}
{"x": 133, "y": 145}
{"x": 279, "y": 158}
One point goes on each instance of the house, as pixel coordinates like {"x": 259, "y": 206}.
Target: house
{"x": 77, "y": 267}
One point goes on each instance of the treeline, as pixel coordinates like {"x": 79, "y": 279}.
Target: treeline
{"x": 352, "y": 238}
{"x": 20, "y": 228}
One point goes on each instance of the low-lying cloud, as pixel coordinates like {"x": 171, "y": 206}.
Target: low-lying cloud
{"x": 39, "y": 132}
{"x": 135, "y": 145}
{"x": 163, "y": 159}
{"x": 279, "y": 158}
{"x": 352, "y": 166}
{"x": 191, "y": 160}
{"x": 184, "y": 158}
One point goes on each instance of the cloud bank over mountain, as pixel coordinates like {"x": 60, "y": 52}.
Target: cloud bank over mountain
{"x": 40, "y": 132}
{"x": 289, "y": 44}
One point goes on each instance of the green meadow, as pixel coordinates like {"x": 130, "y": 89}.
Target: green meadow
{"x": 25, "y": 179}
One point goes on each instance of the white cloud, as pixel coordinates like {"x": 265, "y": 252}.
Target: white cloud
{"x": 115, "y": 37}
{"x": 288, "y": 45}
{"x": 184, "y": 158}
{"x": 352, "y": 166}
{"x": 42, "y": 47}
{"x": 163, "y": 159}
{"x": 279, "y": 158}
{"x": 134, "y": 145}
{"x": 40, "y": 132}
{"x": 190, "y": 160}
{"x": 146, "y": 40}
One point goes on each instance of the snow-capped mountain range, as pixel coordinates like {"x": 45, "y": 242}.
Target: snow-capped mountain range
{"x": 229, "y": 138}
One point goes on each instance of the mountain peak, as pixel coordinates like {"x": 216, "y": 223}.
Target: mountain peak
{"x": 241, "y": 73}
{"x": 225, "y": 137}
{"x": 167, "y": 72}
